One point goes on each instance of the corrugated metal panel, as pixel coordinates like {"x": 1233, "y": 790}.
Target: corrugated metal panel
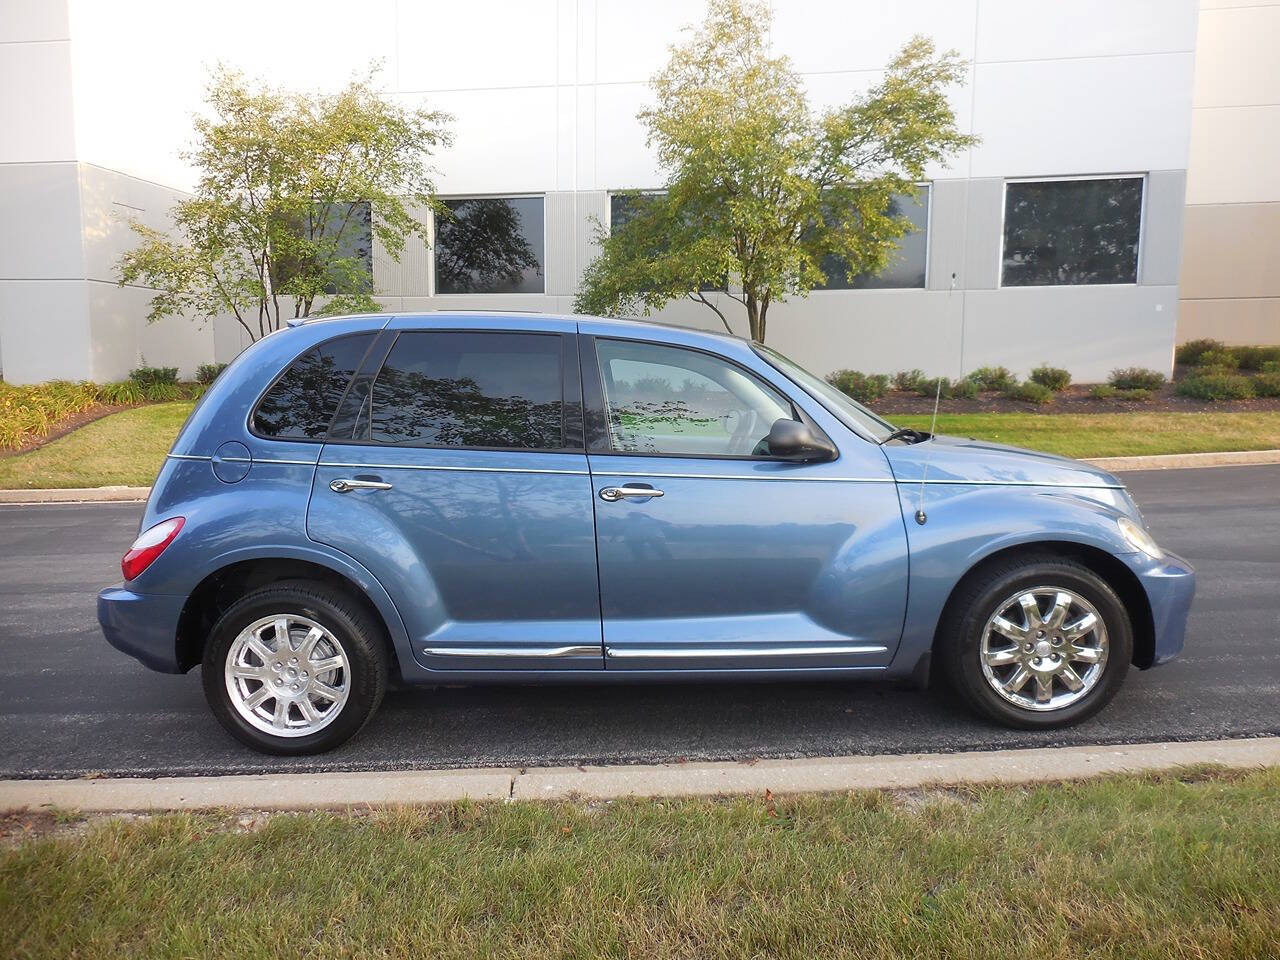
{"x": 408, "y": 277}
{"x": 570, "y": 229}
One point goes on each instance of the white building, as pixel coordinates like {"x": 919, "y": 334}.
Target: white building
{"x": 1080, "y": 105}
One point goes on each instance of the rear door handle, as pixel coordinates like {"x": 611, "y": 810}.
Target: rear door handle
{"x": 635, "y": 491}
{"x": 343, "y": 485}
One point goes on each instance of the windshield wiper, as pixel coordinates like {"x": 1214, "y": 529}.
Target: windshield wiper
{"x": 908, "y": 434}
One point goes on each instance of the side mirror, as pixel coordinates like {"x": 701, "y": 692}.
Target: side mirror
{"x": 794, "y": 440}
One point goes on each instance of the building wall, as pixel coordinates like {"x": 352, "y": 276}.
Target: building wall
{"x": 544, "y": 95}
{"x": 1230, "y": 284}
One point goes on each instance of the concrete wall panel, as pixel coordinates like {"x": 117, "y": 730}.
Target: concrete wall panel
{"x": 1236, "y": 57}
{"x": 1233, "y": 155}
{"x": 44, "y": 330}
{"x": 40, "y": 222}
{"x": 1232, "y": 250}
{"x": 1162, "y": 227}
{"x": 1231, "y": 321}
{"x": 36, "y": 114}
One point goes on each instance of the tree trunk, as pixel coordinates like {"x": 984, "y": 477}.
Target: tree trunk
{"x": 755, "y": 317}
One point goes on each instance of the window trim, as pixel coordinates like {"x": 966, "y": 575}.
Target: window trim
{"x": 598, "y": 442}
{"x": 434, "y": 284}
{"x": 1069, "y": 178}
{"x": 251, "y": 429}
{"x": 571, "y": 420}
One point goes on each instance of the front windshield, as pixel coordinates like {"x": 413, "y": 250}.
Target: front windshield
{"x": 845, "y": 409}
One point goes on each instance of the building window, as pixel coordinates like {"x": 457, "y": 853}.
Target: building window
{"x": 906, "y": 266}
{"x": 490, "y": 245}
{"x": 1072, "y": 231}
{"x": 338, "y": 243}
{"x": 460, "y": 389}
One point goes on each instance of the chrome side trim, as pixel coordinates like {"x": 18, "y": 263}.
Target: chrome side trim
{"x": 737, "y": 476}
{"x": 700, "y": 653}
{"x": 187, "y": 456}
{"x": 297, "y": 463}
{"x": 420, "y": 466}
{"x": 1014, "y": 483}
{"x": 582, "y": 650}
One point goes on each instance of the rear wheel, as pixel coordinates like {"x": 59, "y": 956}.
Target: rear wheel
{"x": 294, "y": 668}
{"x": 1037, "y": 642}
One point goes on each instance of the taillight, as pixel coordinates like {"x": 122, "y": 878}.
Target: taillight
{"x": 149, "y": 545}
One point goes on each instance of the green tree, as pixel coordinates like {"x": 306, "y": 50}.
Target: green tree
{"x": 759, "y": 186}
{"x": 292, "y": 188}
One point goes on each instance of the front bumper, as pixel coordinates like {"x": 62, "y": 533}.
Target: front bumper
{"x": 1170, "y": 585}
{"x": 145, "y": 626}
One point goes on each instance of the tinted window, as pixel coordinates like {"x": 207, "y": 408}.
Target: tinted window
{"x": 490, "y": 245}
{"x": 303, "y": 401}
{"x": 455, "y": 389}
{"x": 1072, "y": 232}
{"x": 906, "y": 266}
{"x": 662, "y": 399}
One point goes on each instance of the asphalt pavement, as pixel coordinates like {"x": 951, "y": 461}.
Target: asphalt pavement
{"x": 70, "y": 705}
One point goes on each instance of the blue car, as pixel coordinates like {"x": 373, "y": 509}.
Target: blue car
{"x": 474, "y": 498}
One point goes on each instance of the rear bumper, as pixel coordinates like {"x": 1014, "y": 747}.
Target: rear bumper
{"x": 145, "y": 626}
{"x": 1170, "y": 585}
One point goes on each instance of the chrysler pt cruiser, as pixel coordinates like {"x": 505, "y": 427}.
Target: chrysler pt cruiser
{"x": 474, "y": 498}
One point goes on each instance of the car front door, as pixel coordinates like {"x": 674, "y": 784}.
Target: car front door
{"x": 455, "y": 472}
{"x": 736, "y": 560}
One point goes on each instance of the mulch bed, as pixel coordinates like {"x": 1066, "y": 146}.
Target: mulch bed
{"x": 1075, "y": 399}
{"x": 73, "y": 422}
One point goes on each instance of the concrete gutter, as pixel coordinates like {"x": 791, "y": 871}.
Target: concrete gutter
{"x": 77, "y": 495}
{"x": 1163, "y": 462}
{"x": 1182, "y": 461}
{"x": 301, "y": 791}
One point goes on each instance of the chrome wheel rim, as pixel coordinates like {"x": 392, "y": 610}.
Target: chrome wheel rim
{"x": 1044, "y": 648}
{"x": 287, "y": 675}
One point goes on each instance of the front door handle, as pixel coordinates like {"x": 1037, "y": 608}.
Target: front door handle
{"x": 343, "y": 485}
{"x": 636, "y": 491}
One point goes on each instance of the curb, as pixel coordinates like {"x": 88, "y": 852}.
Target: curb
{"x": 77, "y": 495}
{"x": 338, "y": 790}
{"x": 1184, "y": 461}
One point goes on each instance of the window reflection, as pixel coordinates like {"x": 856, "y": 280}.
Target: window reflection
{"x": 470, "y": 390}
{"x": 906, "y": 266}
{"x": 304, "y": 400}
{"x": 673, "y": 401}
{"x": 1072, "y": 232}
{"x": 490, "y": 245}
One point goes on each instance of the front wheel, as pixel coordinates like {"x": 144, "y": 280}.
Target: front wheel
{"x": 1037, "y": 642}
{"x": 294, "y": 668}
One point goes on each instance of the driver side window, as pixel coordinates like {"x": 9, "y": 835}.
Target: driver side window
{"x": 668, "y": 400}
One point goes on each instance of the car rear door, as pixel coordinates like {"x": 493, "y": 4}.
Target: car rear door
{"x": 736, "y": 561}
{"x": 455, "y": 472}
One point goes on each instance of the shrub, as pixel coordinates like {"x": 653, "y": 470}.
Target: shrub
{"x": 993, "y": 378}
{"x": 929, "y": 388}
{"x": 1190, "y": 351}
{"x": 1216, "y": 386}
{"x": 1136, "y": 378}
{"x": 1256, "y": 358}
{"x": 126, "y": 392}
{"x": 208, "y": 372}
{"x": 1103, "y": 391}
{"x": 1267, "y": 384}
{"x": 1030, "y": 392}
{"x": 28, "y": 413}
{"x": 964, "y": 389}
{"x": 1106, "y": 392}
{"x": 146, "y": 376}
{"x": 1055, "y": 378}
{"x": 1218, "y": 360}
{"x": 908, "y": 379}
{"x": 163, "y": 392}
{"x": 863, "y": 387}
{"x": 1271, "y": 366}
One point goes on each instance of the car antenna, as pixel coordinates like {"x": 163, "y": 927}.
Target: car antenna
{"x": 921, "y": 517}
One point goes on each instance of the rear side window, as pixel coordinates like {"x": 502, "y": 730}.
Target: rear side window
{"x": 301, "y": 403}
{"x": 463, "y": 389}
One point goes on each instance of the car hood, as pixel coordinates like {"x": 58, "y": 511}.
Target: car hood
{"x": 961, "y": 460}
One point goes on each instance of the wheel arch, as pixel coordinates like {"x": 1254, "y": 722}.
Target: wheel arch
{"x": 1119, "y": 577}
{"x": 226, "y": 584}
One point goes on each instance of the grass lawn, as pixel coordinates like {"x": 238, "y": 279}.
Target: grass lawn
{"x": 1135, "y": 867}
{"x": 128, "y": 448}
{"x": 1112, "y": 434}
{"x": 124, "y": 448}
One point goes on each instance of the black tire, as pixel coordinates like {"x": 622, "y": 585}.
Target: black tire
{"x": 978, "y": 598}
{"x": 349, "y": 623}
